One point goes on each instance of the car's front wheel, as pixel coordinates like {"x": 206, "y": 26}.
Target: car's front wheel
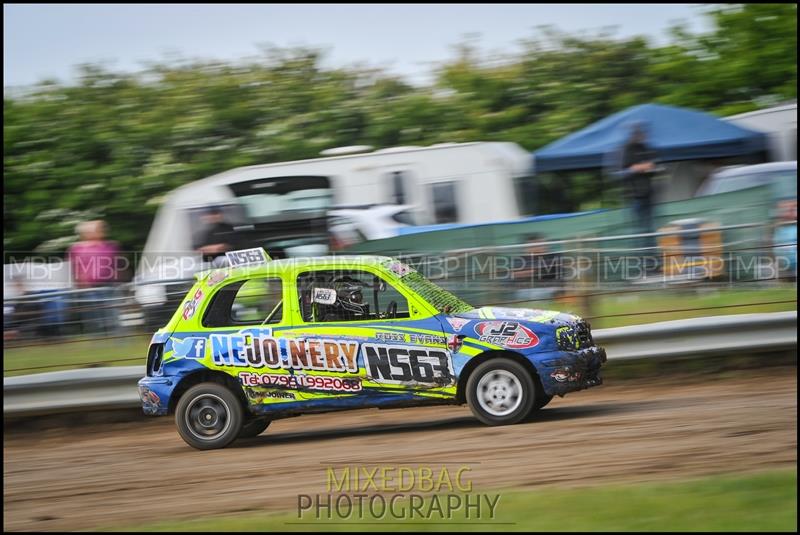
{"x": 209, "y": 416}
{"x": 541, "y": 401}
{"x": 500, "y": 391}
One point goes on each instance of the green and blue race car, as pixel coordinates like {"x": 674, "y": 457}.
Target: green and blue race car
{"x": 265, "y": 339}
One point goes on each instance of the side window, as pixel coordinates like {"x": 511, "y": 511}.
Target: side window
{"x": 398, "y": 179}
{"x": 253, "y": 301}
{"x": 526, "y": 194}
{"x": 348, "y": 295}
{"x": 445, "y": 208}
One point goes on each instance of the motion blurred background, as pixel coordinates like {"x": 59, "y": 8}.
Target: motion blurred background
{"x": 482, "y": 144}
{"x": 714, "y": 86}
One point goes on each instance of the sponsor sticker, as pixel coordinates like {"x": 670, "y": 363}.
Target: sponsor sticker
{"x": 148, "y": 397}
{"x": 427, "y": 339}
{"x": 564, "y": 375}
{"x": 508, "y": 334}
{"x": 311, "y": 382}
{"x": 258, "y": 350}
{"x": 324, "y": 296}
{"x": 215, "y": 278}
{"x": 457, "y": 323}
{"x": 191, "y": 347}
{"x": 400, "y": 269}
{"x": 260, "y": 397}
{"x": 454, "y": 342}
{"x": 390, "y": 337}
{"x": 191, "y": 306}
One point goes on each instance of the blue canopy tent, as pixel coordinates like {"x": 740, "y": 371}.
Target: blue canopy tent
{"x": 674, "y": 133}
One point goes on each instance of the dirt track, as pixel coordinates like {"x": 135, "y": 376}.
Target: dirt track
{"x": 634, "y": 431}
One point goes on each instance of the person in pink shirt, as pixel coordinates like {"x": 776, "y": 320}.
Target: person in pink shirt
{"x": 93, "y": 261}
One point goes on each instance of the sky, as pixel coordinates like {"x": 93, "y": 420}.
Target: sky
{"x": 48, "y": 40}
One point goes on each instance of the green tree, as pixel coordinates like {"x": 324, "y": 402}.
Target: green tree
{"x": 112, "y": 145}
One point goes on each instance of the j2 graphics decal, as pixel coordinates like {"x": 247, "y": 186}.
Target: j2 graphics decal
{"x": 508, "y": 334}
{"x": 406, "y": 364}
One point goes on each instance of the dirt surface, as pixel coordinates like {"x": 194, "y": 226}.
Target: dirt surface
{"x": 122, "y": 474}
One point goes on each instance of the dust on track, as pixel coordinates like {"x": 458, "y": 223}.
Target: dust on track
{"x": 121, "y": 474}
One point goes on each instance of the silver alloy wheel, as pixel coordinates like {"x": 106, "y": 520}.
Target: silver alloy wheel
{"x": 207, "y": 416}
{"x": 499, "y": 392}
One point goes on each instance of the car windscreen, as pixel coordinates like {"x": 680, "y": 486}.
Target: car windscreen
{"x": 278, "y": 197}
{"x": 434, "y": 294}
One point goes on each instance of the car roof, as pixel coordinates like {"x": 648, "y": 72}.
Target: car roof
{"x": 758, "y": 168}
{"x": 285, "y": 265}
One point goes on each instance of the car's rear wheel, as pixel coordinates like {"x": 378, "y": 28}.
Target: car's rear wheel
{"x": 500, "y": 391}
{"x": 254, "y": 427}
{"x": 209, "y": 416}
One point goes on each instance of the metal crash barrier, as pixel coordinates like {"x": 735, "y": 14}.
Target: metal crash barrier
{"x": 115, "y": 388}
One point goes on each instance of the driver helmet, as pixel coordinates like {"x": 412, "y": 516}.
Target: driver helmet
{"x": 349, "y": 296}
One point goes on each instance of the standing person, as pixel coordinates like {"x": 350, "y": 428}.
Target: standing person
{"x": 93, "y": 262}
{"x": 785, "y": 238}
{"x": 638, "y": 170}
{"x": 218, "y": 236}
{"x": 538, "y": 277}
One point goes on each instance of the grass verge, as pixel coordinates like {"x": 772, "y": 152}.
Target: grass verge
{"x": 764, "y": 501}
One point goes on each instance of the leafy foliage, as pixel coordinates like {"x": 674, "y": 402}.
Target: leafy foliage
{"x": 113, "y": 144}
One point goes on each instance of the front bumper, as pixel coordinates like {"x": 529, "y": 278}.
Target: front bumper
{"x": 568, "y": 371}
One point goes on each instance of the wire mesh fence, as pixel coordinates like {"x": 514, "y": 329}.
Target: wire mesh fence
{"x": 580, "y": 274}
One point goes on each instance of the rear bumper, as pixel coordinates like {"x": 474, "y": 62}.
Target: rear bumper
{"x": 568, "y": 371}
{"x": 155, "y": 392}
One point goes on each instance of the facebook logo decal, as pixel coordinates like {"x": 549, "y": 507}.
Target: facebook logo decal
{"x": 191, "y": 348}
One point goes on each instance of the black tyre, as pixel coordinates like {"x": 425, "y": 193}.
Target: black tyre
{"x": 209, "y": 416}
{"x": 500, "y": 392}
{"x": 253, "y": 427}
{"x": 541, "y": 401}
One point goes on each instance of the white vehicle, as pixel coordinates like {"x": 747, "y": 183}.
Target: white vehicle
{"x": 781, "y": 176}
{"x": 780, "y": 125}
{"x": 349, "y": 225}
{"x": 283, "y": 206}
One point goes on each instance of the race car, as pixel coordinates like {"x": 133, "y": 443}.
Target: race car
{"x": 265, "y": 339}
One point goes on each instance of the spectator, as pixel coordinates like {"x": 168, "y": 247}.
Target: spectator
{"x": 539, "y": 274}
{"x": 638, "y": 170}
{"x": 93, "y": 261}
{"x": 785, "y": 238}
{"x": 21, "y": 314}
{"x": 218, "y": 235}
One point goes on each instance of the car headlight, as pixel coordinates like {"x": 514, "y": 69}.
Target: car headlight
{"x": 574, "y": 337}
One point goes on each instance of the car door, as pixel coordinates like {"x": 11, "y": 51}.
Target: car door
{"x": 238, "y": 336}
{"x": 362, "y": 328}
